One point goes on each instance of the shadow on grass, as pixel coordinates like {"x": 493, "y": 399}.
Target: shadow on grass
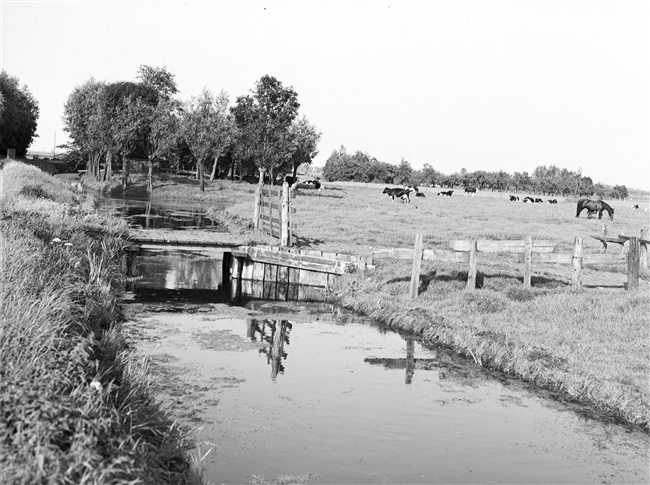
{"x": 305, "y": 242}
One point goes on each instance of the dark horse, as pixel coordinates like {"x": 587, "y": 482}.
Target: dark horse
{"x": 594, "y": 206}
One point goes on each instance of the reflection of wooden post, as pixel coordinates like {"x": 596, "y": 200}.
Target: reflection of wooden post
{"x": 410, "y": 359}
{"x": 633, "y": 264}
{"x": 528, "y": 261}
{"x": 417, "y": 262}
{"x": 284, "y": 216}
{"x": 643, "y": 249}
{"x": 471, "y": 274}
{"x": 576, "y": 279}
{"x": 258, "y": 200}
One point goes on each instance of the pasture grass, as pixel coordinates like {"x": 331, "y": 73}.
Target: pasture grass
{"x": 590, "y": 346}
{"x": 75, "y": 406}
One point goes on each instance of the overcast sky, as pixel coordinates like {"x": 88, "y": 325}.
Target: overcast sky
{"x": 486, "y": 85}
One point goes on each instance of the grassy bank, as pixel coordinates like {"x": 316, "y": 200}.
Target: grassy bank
{"x": 589, "y": 346}
{"x": 74, "y": 406}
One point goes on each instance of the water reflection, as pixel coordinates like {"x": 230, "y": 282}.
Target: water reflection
{"x": 144, "y": 214}
{"x": 273, "y": 335}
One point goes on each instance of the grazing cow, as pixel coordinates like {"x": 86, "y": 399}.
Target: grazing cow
{"x": 471, "y": 191}
{"x": 529, "y": 200}
{"x": 314, "y": 183}
{"x": 635, "y": 206}
{"x": 514, "y": 198}
{"x": 398, "y": 192}
{"x": 446, "y": 192}
{"x": 538, "y": 201}
{"x": 419, "y": 194}
{"x": 551, "y": 201}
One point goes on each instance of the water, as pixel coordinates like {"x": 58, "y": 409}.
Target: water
{"x": 306, "y": 390}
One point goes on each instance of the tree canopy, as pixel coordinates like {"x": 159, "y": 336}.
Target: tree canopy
{"x": 18, "y": 115}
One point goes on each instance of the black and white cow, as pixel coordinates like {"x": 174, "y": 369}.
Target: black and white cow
{"x": 514, "y": 198}
{"x": 635, "y": 206}
{"x": 538, "y": 201}
{"x": 471, "y": 191}
{"x": 448, "y": 193}
{"x": 551, "y": 201}
{"x": 314, "y": 183}
{"x": 529, "y": 200}
{"x": 399, "y": 192}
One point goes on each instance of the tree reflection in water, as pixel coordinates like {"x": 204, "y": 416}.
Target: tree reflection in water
{"x": 273, "y": 335}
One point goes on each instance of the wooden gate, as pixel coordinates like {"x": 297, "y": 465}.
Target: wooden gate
{"x": 273, "y": 210}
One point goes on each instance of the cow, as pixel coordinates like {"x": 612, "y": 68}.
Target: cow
{"x": 529, "y": 200}
{"x": 314, "y": 183}
{"x": 471, "y": 191}
{"x": 538, "y": 201}
{"x": 514, "y": 198}
{"x": 551, "y": 201}
{"x": 419, "y": 194}
{"x": 398, "y": 192}
{"x": 446, "y": 192}
{"x": 635, "y": 206}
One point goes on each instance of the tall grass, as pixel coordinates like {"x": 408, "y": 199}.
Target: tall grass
{"x": 74, "y": 405}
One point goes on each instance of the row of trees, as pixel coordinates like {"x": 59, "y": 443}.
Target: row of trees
{"x": 143, "y": 119}
{"x": 552, "y": 180}
{"x": 18, "y": 115}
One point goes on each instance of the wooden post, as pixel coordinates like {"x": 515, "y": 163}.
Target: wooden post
{"x": 11, "y": 153}
{"x": 417, "y": 261}
{"x": 576, "y": 279}
{"x": 284, "y": 216}
{"x": 471, "y": 273}
{"x": 258, "y": 200}
{"x": 528, "y": 261}
{"x": 633, "y": 264}
{"x": 643, "y": 249}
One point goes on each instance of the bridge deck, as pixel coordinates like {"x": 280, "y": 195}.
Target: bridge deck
{"x": 186, "y": 238}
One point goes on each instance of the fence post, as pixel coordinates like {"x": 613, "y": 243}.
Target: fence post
{"x": 471, "y": 274}
{"x": 417, "y": 261}
{"x": 528, "y": 261}
{"x": 643, "y": 249}
{"x": 258, "y": 200}
{"x": 576, "y": 279}
{"x": 633, "y": 264}
{"x": 284, "y": 216}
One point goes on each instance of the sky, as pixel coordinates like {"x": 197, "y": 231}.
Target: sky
{"x": 481, "y": 85}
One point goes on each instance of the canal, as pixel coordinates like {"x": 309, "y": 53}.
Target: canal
{"x": 297, "y": 392}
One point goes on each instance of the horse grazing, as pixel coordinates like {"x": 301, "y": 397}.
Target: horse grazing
{"x": 594, "y": 206}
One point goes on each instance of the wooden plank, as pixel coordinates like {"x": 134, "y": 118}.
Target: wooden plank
{"x": 301, "y": 261}
{"x": 471, "y": 274}
{"x": 415, "y": 270}
{"x": 445, "y": 255}
{"x": 283, "y": 282}
{"x": 490, "y": 246}
{"x": 633, "y": 264}
{"x": 603, "y": 259}
{"x": 576, "y": 277}
{"x": 270, "y": 281}
{"x": 528, "y": 261}
{"x": 562, "y": 258}
{"x": 394, "y": 253}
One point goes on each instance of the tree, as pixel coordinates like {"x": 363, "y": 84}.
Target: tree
{"x": 158, "y": 78}
{"x": 404, "y": 172}
{"x": 620, "y": 191}
{"x": 304, "y": 143}
{"x": 207, "y": 129}
{"x": 164, "y": 132}
{"x": 18, "y": 117}
{"x": 264, "y": 121}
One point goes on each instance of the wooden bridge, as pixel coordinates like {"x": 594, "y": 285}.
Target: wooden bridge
{"x": 190, "y": 237}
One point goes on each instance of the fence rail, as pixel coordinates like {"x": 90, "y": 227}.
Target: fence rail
{"x": 529, "y": 252}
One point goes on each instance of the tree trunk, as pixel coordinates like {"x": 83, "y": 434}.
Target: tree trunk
{"x": 214, "y": 168}
{"x": 150, "y": 177}
{"x": 125, "y": 172}
{"x": 108, "y": 169}
{"x": 199, "y": 172}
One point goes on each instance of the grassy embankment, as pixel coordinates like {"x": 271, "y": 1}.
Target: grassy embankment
{"x": 74, "y": 405}
{"x": 589, "y": 346}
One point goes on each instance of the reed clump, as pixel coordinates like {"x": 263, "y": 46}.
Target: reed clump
{"x": 75, "y": 407}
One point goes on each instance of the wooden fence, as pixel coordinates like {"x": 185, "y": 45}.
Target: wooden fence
{"x": 273, "y": 212}
{"x": 530, "y": 252}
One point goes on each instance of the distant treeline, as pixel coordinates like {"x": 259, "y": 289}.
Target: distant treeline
{"x": 551, "y": 180}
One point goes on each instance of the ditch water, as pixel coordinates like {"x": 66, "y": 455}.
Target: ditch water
{"x": 325, "y": 396}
